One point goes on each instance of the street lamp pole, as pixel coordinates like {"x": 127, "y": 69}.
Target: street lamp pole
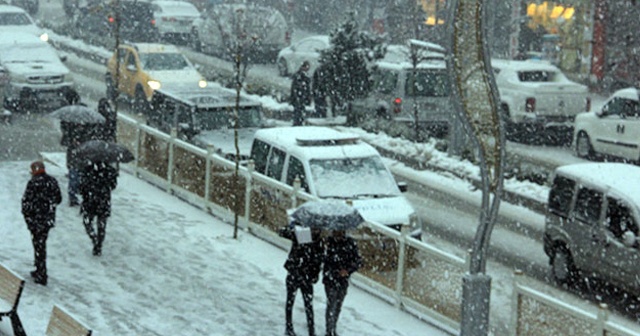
{"x": 475, "y": 99}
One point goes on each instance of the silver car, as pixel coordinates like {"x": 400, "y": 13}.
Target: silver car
{"x": 591, "y": 223}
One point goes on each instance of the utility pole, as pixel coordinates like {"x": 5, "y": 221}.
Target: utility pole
{"x": 475, "y": 99}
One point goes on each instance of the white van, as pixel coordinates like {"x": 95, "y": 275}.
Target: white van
{"x": 334, "y": 165}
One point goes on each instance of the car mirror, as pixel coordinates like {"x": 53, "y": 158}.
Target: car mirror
{"x": 403, "y": 186}
{"x": 629, "y": 239}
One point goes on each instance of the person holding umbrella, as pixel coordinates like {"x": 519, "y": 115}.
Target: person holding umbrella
{"x": 97, "y": 181}
{"x": 303, "y": 267}
{"x": 341, "y": 259}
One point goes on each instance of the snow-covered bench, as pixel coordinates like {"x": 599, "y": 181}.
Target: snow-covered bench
{"x": 11, "y": 286}
{"x": 62, "y": 323}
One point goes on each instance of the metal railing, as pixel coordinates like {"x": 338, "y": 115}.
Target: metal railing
{"x": 410, "y": 274}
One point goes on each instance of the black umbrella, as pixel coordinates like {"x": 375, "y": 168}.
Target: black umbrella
{"x": 327, "y": 215}
{"x": 101, "y": 151}
{"x": 77, "y": 114}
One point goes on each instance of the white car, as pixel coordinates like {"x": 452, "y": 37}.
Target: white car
{"x": 263, "y": 31}
{"x": 613, "y": 130}
{"x": 15, "y": 19}
{"x": 174, "y": 19}
{"x": 37, "y": 77}
{"x": 307, "y": 49}
{"x": 536, "y": 96}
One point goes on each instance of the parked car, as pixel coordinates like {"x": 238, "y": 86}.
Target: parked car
{"x": 137, "y": 23}
{"x": 174, "y": 20}
{"x": 399, "y": 93}
{"x": 613, "y": 130}
{"x": 37, "y": 78}
{"x": 263, "y": 29}
{"x": 15, "y": 19}
{"x": 591, "y": 224}
{"x": 206, "y": 117}
{"x": 334, "y": 165}
{"x": 307, "y": 49}
{"x": 536, "y": 97}
{"x": 146, "y": 67}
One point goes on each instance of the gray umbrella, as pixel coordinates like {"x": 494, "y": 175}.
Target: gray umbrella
{"x": 77, "y": 114}
{"x": 327, "y": 215}
{"x": 94, "y": 151}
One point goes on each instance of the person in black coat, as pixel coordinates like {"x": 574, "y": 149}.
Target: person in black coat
{"x": 320, "y": 93}
{"x": 96, "y": 183}
{"x": 300, "y": 93}
{"x": 303, "y": 267}
{"x": 39, "y": 202}
{"x": 107, "y": 130}
{"x": 341, "y": 259}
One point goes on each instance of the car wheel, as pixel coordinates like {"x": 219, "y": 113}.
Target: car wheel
{"x": 112, "y": 93}
{"x": 583, "y": 146}
{"x": 282, "y": 67}
{"x": 562, "y": 267}
{"x": 140, "y": 103}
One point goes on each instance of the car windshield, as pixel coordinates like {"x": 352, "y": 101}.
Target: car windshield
{"x": 217, "y": 118}
{"x": 537, "y": 76}
{"x": 352, "y": 178}
{"x": 163, "y": 61}
{"x": 28, "y": 53}
{"x": 14, "y": 19}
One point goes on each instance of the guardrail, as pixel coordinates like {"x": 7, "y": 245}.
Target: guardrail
{"x": 410, "y": 274}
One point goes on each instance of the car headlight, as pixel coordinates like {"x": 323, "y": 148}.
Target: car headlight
{"x": 44, "y": 37}
{"x": 154, "y": 84}
{"x": 202, "y": 83}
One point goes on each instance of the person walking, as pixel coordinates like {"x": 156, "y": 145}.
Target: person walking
{"x": 341, "y": 259}
{"x": 300, "y": 93}
{"x": 96, "y": 183}
{"x": 303, "y": 266}
{"x": 39, "y": 202}
{"x": 320, "y": 93}
{"x": 107, "y": 130}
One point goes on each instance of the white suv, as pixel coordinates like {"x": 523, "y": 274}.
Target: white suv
{"x": 334, "y": 165}
{"x": 613, "y": 130}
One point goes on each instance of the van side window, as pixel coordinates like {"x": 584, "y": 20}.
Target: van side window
{"x": 588, "y": 205}
{"x": 259, "y": 153}
{"x": 296, "y": 169}
{"x": 385, "y": 81}
{"x": 560, "y": 195}
{"x": 619, "y": 218}
{"x": 276, "y": 163}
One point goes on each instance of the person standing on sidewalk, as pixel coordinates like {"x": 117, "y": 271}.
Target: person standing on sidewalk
{"x": 39, "y": 202}
{"x": 96, "y": 183}
{"x": 341, "y": 259}
{"x": 300, "y": 93}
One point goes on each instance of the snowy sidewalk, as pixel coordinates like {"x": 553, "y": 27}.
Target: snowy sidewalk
{"x": 167, "y": 268}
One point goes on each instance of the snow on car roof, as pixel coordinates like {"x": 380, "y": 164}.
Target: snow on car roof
{"x": 312, "y": 142}
{"x": 618, "y": 178}
{"x": 177, "y": 8}
{"x": 528, "y": 65}
{"x": 11, "y": 9}
{"x": 155, "y": 47}
{"x": 628, "y": 93}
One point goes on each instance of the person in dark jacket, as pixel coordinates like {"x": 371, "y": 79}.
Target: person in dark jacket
{"x": 300, "y": 93}
{"x": 107, "y": 131}
{"x": 320, "y": 93}
{"x": 303, "y": 267}
{"x": 341, "y": 259}
{"x": 96, "y": 183}
{"x": 39, "y": 202}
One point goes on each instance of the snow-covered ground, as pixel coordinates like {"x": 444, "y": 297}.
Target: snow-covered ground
{"x": 167, "y": 269}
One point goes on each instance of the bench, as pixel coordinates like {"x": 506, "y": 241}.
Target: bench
{"x": 63, "y": 324}
{"x": 11, "y": 286}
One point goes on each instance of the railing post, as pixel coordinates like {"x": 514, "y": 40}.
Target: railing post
{"x": 603, "y": 316}
{"x": 515, "y": 301}
{"x": 247, "y": 193}
{"x": 296, "y": 190}
{"x": 207, "y": 176}
{"x": 402, "y": 252}
{"x": 170, "y": 167}
{"x": 136, "y": 149}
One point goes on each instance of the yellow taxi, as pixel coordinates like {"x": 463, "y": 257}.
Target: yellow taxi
{"x": 138, "y": 69}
